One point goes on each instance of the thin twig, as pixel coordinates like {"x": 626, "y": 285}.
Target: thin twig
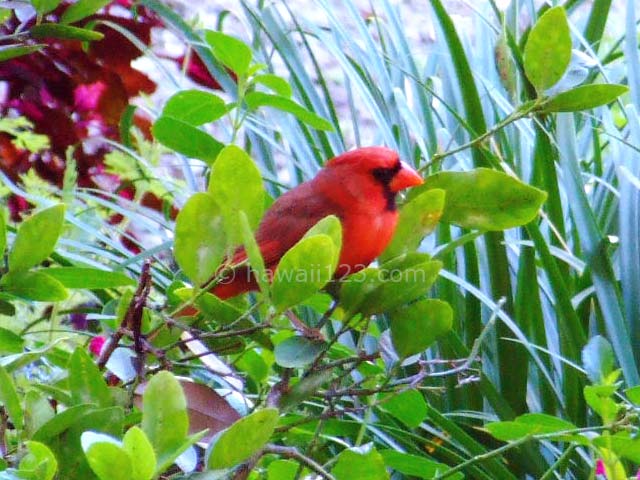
{"x": 293, "y": 454}
{"x": 132, "y": 320}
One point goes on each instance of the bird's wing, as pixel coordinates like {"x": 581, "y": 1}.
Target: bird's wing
{"x": 286, "y": 222}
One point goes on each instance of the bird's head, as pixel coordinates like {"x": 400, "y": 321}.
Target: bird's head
{"x": 367, "y": 170}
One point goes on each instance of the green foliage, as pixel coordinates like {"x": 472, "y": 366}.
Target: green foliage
{"x": 548, "y": 49}
{"x": 242, "y": 439}
{"x": 419, "y": 365}
{"x": 36, "y": 238}
{"x": 486, "y": 199}
{"x": 303, "y": 270}
{"x": 198, "y": 223}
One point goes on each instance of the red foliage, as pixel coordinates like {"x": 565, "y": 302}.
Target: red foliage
{"x": 74, "y": 96}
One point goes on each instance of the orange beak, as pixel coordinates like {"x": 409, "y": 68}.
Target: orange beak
{"x": 405, "y": 178}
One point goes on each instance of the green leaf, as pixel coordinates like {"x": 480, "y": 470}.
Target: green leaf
{"x": 296, "y": 352}
{"x": 139, "y": 448}
{"x": 253, "y": 253}
{"x": 82, "y": 9}
{"x": 36, "y": 238}
{"x": 45, "y": 6}
{"x": 415, "y": 466}
{"x": 61, "y": 422}
{"x": 486, "y": 199}
{"x": 195, "y": 107}
{"x": 66, "y": 32}
{"x": 89, "y": 278}
{"x": 409, "y": 407}
{"x": 533, "y": 424}
{"x": 186, "y": 139}
{"x": 10, "y": 400}
{"x": 10, "y": 342}
{"x": 86, "y": 383}
{"x": 364, "y": 464}
{"x": 275, "y": 83}
{"x": 40, "y": 460}
{"x": 548, "y": 50}
{"x": 109, "y": 461}
{"x": 7, "y": 52}
{"x": 36, "y": 286}
{"x": 236, "y": 185}
{"x": 282, "y": 470}
{"x": 583, "y": 97}
{"x": 242, "y": 439}
{"x": 622, "y": 444}
{"x": 199, "y": 238}
{"x": 165, "y": 419}
{"x": 304, "y": 389}
{"x": 415, "y": 327}
{"x": 633, "y": 394}
{"x": 302, "y": 271}
{"x": 404, "y": 279}
{"x": 599, "y": 398}
{"x": 598, "y": 359}
{"x": 418, "y": 218}
{"x": 260, "y": 99}
{"x": 231, "y": 52}
{"x": 37, "y": 411}
{"x": 331, "y": 226}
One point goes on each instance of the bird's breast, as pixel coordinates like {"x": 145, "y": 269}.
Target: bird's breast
{"x": 365, "y": 236}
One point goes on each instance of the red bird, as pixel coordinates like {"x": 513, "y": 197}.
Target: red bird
{"x": 359, "y": 187}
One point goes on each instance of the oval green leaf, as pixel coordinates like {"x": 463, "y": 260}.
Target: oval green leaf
{"x": 7, "y": 52}
{"x": 409, "y": 407}
{"x": 275, "y": 83}
{"x": 364, "y": 464}
{"x": 86, "y": 382}
{"x": 236, "y": 185}
{"x": 260, "y": 99}
{"x": 89, "y": 278}
{"x": 36, "y": 286}
{"x": 195, "y": 107}
{"x": 10, "y": 400}
{"x": 584, "y": 97}
{"x": 199, "y": 238}
{"x": 40, "y": 460}
{"x": 532, "y": 424}
{"x": 139, "y": 448}
{"x": 242, "y": 439}
{"x": 82, "y": 9}
{"x": 36, "y": 238}
{"x": 186, "y": 139}
{"x": 548, "y": 50}
{"x": 165, "y": 419}
{"x": 66, "y": 32}
{"x": 303, "y": 270}
{"x": 415, "y": 465}
{"x": 415, "y": 327}
{"x": 486, "y": 199}
{"x": 10, "y": 342}
{"x": 297, "y": 352}
{"x": 45, "y": 6}
{"x": 109, "y": 461}
{"x": 418, "y": 218}
{"x": 230, "y": 51}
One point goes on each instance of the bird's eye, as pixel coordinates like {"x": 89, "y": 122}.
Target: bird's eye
{"x": 384, "y": 175}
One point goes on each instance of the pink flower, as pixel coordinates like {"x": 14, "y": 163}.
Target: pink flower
{"x": 600, "y": 469}
{"x": 96, "y": 344}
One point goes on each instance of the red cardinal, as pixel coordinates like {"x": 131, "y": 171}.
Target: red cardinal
{"x": 359, "y": 187}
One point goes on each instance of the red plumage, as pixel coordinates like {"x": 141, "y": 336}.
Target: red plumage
{"x": 359, "y": 187}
